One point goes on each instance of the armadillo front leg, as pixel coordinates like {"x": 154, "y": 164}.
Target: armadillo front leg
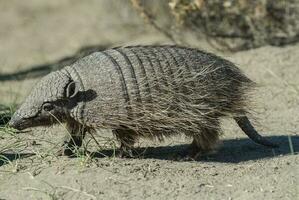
{"x": 127, "y": 139}
{"x": 74, "y": 138}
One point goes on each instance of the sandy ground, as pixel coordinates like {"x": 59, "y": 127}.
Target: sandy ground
{"x": 35, "y": 32}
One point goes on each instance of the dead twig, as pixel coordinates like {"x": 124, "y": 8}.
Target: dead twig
{"x": 150, "y": 19}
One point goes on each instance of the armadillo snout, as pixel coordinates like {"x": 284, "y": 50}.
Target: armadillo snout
{"x": 16, "y": 122}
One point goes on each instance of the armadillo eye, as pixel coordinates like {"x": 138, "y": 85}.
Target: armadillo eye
{"x": 48, "y": 107}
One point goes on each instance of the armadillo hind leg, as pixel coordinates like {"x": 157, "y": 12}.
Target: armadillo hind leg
{"x": 73, "y": 139}
{"x": 203, "y": 142}
{"x": 127, "y": 138}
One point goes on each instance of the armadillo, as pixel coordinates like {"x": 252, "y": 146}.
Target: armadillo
{"x": 142, "y": 91}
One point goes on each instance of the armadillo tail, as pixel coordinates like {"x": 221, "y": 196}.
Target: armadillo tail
{"x": 249, "y": 130}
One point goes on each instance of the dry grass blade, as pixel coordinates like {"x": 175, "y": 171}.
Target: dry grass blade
{"x": 16, "y": 143}
{"x": 291, "y": 145}
{"x": 59, "y": 192}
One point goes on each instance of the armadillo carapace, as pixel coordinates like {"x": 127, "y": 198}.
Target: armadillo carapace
{"x": 142, "y": 91}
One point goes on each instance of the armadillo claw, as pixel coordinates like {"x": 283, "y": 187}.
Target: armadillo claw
{"x": 127, "y": 153}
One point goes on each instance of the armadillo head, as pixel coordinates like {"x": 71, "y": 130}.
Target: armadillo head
{"x": 48, "y": 102}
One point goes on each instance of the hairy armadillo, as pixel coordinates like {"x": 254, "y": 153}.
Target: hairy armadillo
{"x": 142, "y": 91}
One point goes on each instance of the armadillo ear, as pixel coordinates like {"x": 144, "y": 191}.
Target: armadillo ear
{"x": 72, "y": 89}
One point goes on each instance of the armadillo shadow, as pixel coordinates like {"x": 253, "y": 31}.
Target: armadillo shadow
{"x": 9, "y": 157}
{"x": 5, "y": 114}
{"x": 43, "y": 69}
{"x": 231, "y": 151}
{"x": 4, "y": 118}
